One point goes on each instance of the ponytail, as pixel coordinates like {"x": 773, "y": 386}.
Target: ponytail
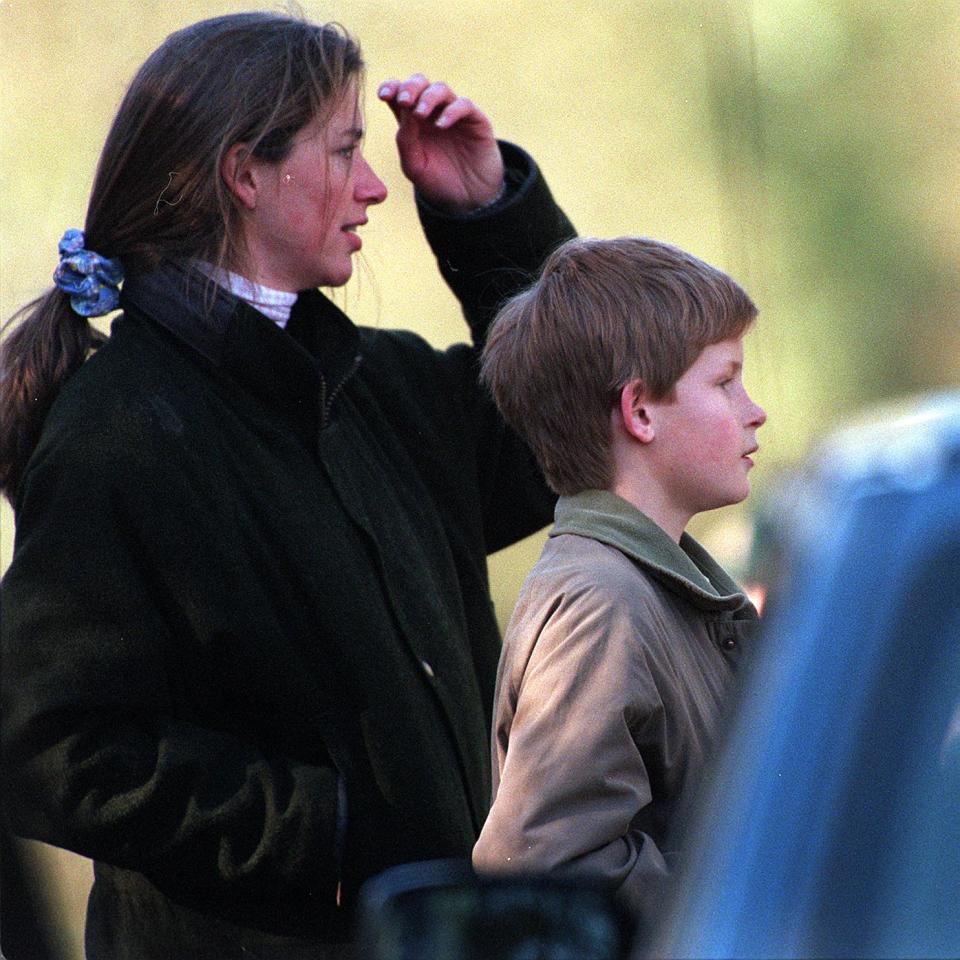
{"x": 49, "y": 342}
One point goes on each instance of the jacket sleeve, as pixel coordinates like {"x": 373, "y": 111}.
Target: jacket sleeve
{"x": 485, "y": 258}
{"x": 95, "y": 757}
{"x": 573, "y": 781}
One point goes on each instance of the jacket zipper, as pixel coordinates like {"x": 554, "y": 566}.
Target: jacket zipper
{"x": 326, "y": 402}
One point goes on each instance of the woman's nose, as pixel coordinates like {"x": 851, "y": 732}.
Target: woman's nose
{"x": 370, "y": 188}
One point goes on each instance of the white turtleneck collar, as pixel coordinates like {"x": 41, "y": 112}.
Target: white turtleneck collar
{"x": 275, "y": 304}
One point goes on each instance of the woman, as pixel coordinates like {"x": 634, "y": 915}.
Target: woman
{"x": 248, "y": 642}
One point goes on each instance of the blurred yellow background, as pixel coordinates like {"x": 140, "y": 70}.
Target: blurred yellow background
{"x": 810, "y": 148}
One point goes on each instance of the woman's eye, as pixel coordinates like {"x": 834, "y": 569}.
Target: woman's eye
{"x": 347, "y": 152}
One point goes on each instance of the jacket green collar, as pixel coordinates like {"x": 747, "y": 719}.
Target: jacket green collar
{"x": 686, "y": 568}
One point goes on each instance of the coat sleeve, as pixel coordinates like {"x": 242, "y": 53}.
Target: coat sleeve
{"x": 95, "y": 757}
{"x": 485, "y": 258}
{"x": 573, "y": 779}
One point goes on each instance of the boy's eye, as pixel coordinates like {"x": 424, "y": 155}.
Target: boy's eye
{"x": 347, "y": 152}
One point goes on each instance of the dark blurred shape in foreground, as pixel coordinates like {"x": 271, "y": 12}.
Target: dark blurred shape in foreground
{"x": 440, "y": 909}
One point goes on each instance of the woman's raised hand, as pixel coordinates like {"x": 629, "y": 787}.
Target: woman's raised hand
{"x": 446, "y": 143}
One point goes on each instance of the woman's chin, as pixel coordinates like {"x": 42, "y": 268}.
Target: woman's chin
{"x": 337, "y": 276}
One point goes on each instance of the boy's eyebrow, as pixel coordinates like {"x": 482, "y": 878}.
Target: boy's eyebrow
{"x": 354, "y": 133}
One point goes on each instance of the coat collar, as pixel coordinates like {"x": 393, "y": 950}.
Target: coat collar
{"x": 685, "y": 567}
{"x": 312, "y": 358}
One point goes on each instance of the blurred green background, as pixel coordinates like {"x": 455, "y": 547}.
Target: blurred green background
{"x": 811, "y": 149}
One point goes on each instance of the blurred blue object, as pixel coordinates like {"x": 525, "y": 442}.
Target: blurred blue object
{"x": 832, "y": 825}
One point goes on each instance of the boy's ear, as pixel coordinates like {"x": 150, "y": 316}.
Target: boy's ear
{"x": 239, "y": 174}
{"x": 634, "y": 414}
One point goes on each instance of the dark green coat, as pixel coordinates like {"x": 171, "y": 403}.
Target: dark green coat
{"x": 248, "y": 643}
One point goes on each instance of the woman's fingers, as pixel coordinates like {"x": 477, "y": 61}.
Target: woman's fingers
{"x": 433, "y": 101}
{"x": 446, "y": 143}
{"x": 402, "y": 95}
{"x": 425, "y": 100}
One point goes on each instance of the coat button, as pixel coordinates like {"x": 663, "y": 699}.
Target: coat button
{"x": 729, "y": 643}
{"x": 427, "y": 669}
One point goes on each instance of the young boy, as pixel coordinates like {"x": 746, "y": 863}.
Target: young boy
{"x": 621, "y": 367}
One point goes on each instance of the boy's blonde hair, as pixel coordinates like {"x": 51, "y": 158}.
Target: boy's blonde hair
{"x": 602, "y": 313}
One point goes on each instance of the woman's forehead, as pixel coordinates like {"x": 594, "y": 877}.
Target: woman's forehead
{"x": 343, "y": 120}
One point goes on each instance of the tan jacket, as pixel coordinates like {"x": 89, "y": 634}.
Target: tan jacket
{"x": 614, "y": 671}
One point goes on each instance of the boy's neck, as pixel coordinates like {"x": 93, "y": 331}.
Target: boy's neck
{"x": 638, "y": 479}
{"x": 645, "y": 494}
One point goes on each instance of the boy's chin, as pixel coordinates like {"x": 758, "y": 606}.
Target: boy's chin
{"x": 732, "y": 498}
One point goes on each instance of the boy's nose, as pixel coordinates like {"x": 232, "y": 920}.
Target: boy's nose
{"x": 758, "y": 416}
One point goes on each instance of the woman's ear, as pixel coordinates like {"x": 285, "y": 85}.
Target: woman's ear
{"x": 239, "y": 174}
{"x": 634, "y": 415}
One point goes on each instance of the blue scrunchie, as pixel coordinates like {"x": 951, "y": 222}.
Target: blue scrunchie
{"x": 92, "y": 281}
